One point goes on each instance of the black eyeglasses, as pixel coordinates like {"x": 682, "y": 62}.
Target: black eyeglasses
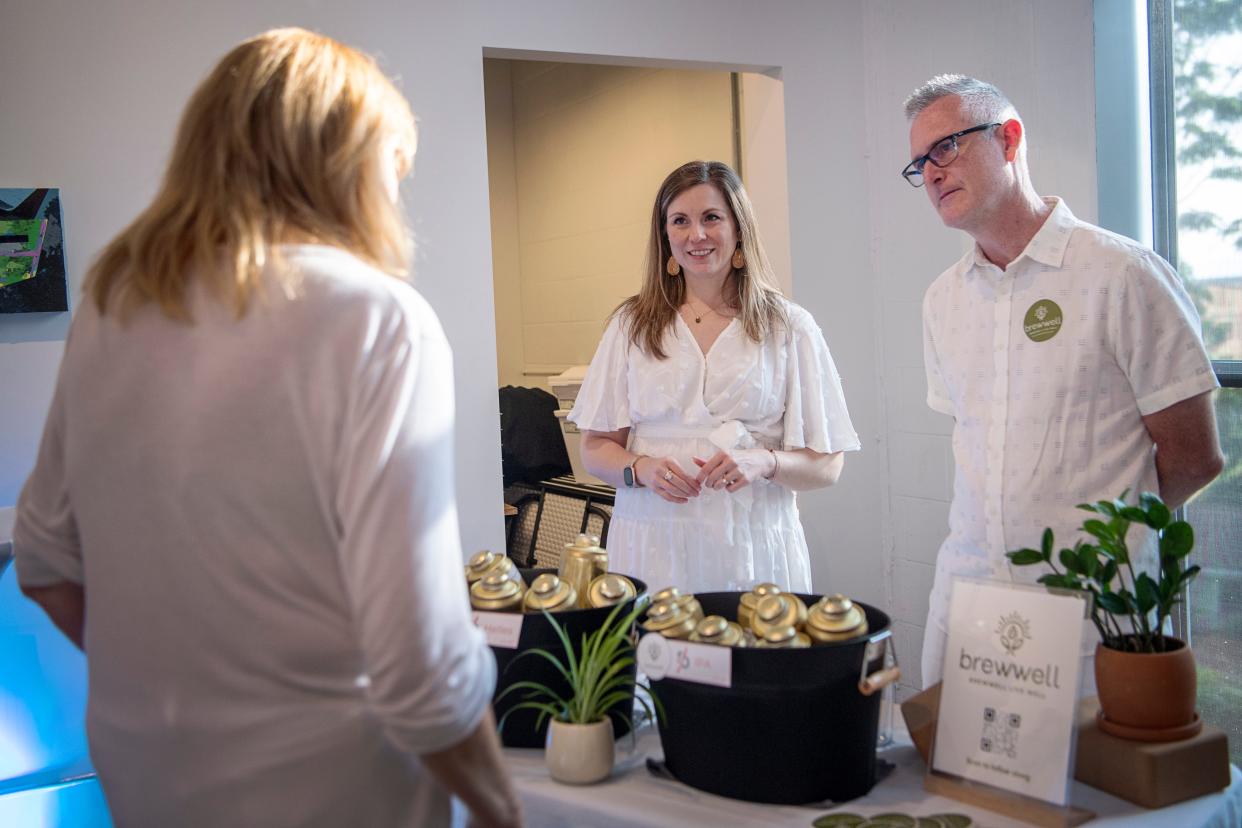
{"x": 942, "y": 154}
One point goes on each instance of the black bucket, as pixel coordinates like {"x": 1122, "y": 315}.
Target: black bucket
{"x": 519, "y": 728}
{"x": 793, "y": 729}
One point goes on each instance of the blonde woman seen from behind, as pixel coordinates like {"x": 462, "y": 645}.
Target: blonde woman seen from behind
{"x": 246, "y": 474}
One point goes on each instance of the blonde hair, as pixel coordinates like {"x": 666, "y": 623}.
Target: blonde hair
{"x": 282, "y": 142}
{"x": 756, "y": 294}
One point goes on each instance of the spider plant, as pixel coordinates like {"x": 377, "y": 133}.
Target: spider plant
{"x": 597, "y": 673}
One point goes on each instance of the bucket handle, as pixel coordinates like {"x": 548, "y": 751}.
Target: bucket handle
{"x": 878, "y": 646}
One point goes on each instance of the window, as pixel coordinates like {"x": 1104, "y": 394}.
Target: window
{"x": 1196, "y": 74}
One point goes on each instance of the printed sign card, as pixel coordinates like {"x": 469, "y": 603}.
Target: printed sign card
{"x": 1010, "y": 692}
{"x": 501, "y": 629}
{"x": 660, "y": 657}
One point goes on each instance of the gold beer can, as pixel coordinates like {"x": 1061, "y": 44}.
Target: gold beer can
{"x": 746, "y": 604}
{"x": 691, "y": 605}
{"x": 667, "y": 594}
{"x": 609, "y": 589}
{"x": 481, "y": 563}
{"x": 784, "y": 638}
{"x": 497, "y": 592}
{"x": 715, "y": 629}
{"x": 549, "y": 592}
{"x": 835, "y": 618}
{"x": 670, "y": 620}
{"x": 780, "y": 610}
{"x": 581, "y": 562}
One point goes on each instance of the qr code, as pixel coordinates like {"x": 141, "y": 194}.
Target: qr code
{"x": 1000, "y": 732}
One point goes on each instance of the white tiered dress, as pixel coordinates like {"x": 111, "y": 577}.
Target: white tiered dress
{"x": 783, "y": 393}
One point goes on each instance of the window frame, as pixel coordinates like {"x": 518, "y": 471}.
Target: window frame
{"x": 1164, "y": 200}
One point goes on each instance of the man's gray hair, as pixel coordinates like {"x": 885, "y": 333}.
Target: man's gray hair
{"x": 981, "y": 99}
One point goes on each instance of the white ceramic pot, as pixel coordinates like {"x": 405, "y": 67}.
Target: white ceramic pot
{"x": 580, "y": 753}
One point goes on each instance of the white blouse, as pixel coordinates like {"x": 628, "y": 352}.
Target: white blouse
{"x": 261, "y": 512}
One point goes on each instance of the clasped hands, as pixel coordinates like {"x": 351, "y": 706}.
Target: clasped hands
{"x": 728, "y": 470}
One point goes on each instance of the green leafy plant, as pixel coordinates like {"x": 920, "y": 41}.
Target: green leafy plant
{"x": 598, "y": 674}
{"x": 1125, "y": 600}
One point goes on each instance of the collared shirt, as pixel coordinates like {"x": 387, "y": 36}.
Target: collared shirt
{"x": 1048, "y": 368}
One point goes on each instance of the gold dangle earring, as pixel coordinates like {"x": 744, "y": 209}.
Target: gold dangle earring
{"x": 672, "y": 267}
{"x": 739, "y": 259}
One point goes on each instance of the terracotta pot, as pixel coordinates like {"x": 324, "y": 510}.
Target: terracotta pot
{"x": 580, "y": 753}
{"x": 1147, "y": 696}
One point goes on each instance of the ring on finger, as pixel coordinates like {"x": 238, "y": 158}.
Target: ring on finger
{"x": 668, "y": 474}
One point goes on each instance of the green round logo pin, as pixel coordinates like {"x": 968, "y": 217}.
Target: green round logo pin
{"x": 1042, "y": 320}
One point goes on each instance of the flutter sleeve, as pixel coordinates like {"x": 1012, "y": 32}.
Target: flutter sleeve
{"x": 815, "y": 413}
{"x": 603, "y": 402}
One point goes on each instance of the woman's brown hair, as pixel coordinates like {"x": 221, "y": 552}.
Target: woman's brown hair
{"x": 751, "y": 290}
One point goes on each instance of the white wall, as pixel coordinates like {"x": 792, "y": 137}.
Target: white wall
{"x": 590, "y": 146}
{"x": 506, "y": 244}
{"x": 106, "y": 81}
{"x": 764, "y": 167}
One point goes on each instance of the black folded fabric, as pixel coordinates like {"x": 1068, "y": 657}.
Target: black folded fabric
{"x": 531, "y": 446}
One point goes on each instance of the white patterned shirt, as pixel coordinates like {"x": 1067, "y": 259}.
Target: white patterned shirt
{"x": 1048, "y": 368}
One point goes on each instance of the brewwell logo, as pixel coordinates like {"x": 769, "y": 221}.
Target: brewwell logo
{"x": 1042, "y": 320}
{"x": 1014, "y": 630}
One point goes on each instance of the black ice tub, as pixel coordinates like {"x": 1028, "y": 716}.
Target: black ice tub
{"x": 519, "y": 729}
{"x": 794, "y": 728}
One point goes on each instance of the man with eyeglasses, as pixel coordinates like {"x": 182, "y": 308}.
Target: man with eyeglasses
{"x": 1069, "y": 357}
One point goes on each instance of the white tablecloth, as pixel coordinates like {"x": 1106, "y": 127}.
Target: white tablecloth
{"x": 633, "y": 797}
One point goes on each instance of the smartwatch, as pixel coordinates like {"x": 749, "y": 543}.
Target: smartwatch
{"x": 630, "y": 475}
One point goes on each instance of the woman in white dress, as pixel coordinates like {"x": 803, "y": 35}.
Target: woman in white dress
{"x": 711, "y": 400}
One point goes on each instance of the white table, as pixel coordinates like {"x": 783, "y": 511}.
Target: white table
{"x": 634, "y": 797}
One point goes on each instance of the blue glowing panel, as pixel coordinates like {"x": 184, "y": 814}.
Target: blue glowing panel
{"x": 75, "y": 805}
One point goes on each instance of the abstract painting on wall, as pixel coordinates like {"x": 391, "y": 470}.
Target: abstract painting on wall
{"x": 32, "y": 252}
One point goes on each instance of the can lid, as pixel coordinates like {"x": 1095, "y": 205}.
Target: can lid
{"x": 835, "y": 613}
{"x": 772, "y": 608}
{"x": 712, "y": 626}
{"x": 495, "y": 585}
{"x": 785, "y": 637}
{"x": 666, "y": 615}
{"x": 549, "y": 592}
{"x": 496, "y": 591}
{"x": 480, "y": 563}
{"x": 584, "y": 543}
{"x": 781, "y": 635}
{"x": 666, "y": 594}
{"x": 690, "y": 604}
{"x": 610, "y": 588}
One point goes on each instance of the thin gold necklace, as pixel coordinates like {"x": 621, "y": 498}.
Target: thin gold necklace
{"x": 698, "y": 317}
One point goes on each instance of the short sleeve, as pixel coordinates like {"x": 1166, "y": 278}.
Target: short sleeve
{"x": 1157, "y": 336}
{"x": 45, "y": 535}
{"x": 815, "y": 412}
{"x": 603, "y": 402}
{"x": 937, "y": 392}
